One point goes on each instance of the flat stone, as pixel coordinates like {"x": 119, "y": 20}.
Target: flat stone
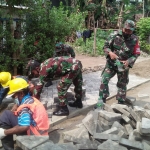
{"x": 90, "y": 121}
{"x": 145, "y": 126}
{"x": 67, "y": 146}
{"x": 110, "y": 116}
{"x": 146, "y": 146}
{"x": 143, "y": 96}
{"x": 113, "y": 130}
{"x": 80, "y": 132}
{"x": 27, "y": 142}
{"x": 120, "y": 127}
{"x": 121, "y": 134}
{"x": 111, "y": 145}
{"x": 117, "y": 108}
{"x": 108, "y": 108}
{"x": 129, "y": 128}
{"x": 102, "y": 136}
{"x": 134, "y": 115}
{"x": 106, "y": 122}
{"x": 69, "y": 138}
{"x": 147, "y": 106}
{"x": 131, "y": 144}
{"x": 86, "y": 146}
{"x": 125, "y": 118}
{"x": 139, "y": 111}
{"x": 48, "y": 146}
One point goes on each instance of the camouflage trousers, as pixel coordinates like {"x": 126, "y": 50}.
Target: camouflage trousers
{"x": 123, "y": 80}
{"x": 73, "y": 76}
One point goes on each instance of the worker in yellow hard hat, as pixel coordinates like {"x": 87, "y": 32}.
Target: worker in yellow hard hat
{"x": 27, "y": 119}
{"x": 5, "y": 78}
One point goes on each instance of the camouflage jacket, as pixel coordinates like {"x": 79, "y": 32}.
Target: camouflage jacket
{"x": 128, "y": 49}
{"x": 66, "y": 51}
{"x": 54, "y": 67}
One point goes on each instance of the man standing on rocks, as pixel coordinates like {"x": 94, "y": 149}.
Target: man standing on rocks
{"x": 121, "y": 50}
{"x": 69, "y": 69}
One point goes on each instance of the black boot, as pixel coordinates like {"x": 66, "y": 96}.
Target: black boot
{"x": 61, "y": 111}
{"x": 77, "y": 103}
{"x": 49, "y": 83}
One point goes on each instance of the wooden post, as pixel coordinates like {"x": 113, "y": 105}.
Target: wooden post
{"x": 94, "y": 44}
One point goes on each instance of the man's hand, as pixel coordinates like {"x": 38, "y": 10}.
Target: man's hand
{"x": 14, "y": 108}
{"x": 2, "y": 134}
{"x": 125, "y": 63}
{"x": 112, "y": 55}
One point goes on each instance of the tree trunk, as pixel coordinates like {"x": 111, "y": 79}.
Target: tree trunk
{"x": 119, "y": 23}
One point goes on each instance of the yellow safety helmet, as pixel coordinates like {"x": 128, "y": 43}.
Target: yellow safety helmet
{"x": 5, "y": 77}
{"x": 16, "y": 85}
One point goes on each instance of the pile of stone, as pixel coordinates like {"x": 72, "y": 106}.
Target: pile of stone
{"x": 117, "y": 127}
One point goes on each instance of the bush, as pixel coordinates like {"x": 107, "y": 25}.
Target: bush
{"x": 143, "y": 31}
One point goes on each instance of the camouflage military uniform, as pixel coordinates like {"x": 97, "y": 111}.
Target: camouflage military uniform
{"x": 64, "y": 50}
{"x": 126, "y": 50}
{"x": 68, "y": 68}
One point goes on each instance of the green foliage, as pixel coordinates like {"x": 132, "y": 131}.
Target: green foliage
{"x": 101, "y": 36}
{"x": 42, "y": 27}
{"x": 143, "y": 31}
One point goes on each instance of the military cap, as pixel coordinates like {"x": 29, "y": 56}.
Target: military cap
{"x": 129, "y": 24}
{"x": 59, "y": 46}
{"x": 32, "y": 64}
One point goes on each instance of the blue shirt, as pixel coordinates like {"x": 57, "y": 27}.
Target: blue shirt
{"x": 25, "y": 115}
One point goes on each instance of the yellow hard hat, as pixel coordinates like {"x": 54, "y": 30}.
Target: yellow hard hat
{"x": 5, "y": 77}
{"x": 16, "y": 85}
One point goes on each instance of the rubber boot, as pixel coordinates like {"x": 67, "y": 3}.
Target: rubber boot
{"x": 77, "y": 103}
{"x": 49, "y": 83}
{"x": 61, "y": 111}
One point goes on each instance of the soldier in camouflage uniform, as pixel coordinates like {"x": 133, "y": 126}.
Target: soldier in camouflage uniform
{"x": 63, "y": 50}
{"x": 122, "y": 45}
{"x": 70, "y": 71}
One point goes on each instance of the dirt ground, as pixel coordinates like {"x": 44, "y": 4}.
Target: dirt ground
{"x": 141, "y": 67}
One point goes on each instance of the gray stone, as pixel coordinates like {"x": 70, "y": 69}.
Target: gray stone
{"x": 146, "y": 146}
{"x": 145, "y": 126}
{"x": 117, "y": 108}
{"x": 132, "y": 99}
{"x": 147, "y": 106}
{"x": 147, "y": 113}
{"x": 27, "y": 142}
{"x": 125, "y": 118}
{"x": 110, "y": 116}
{"x": 143, "y": 96}
{"x": 134, "y": 115}
{"x": 80, "y": 132}
{"x": 121, "y": 134}
{"x": 139, "y": 111}
{"x": 101, "y": 136}
{"x": 86, "y": 146}
{"x": 90, "y": 121}
{"x": 108, "y": 108}
{"x": 67, "y": 146}
{"x": 120, "y": 127}
{"x": 106, "y": 122}
{"x": 69, "y": 138}
{"x": 48, "y": 146}
{"x": 113, "y": 130}
{"x": 110, "y": 145}
{"x": 129, "y": 128}
{"x": 131, "y": 144}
